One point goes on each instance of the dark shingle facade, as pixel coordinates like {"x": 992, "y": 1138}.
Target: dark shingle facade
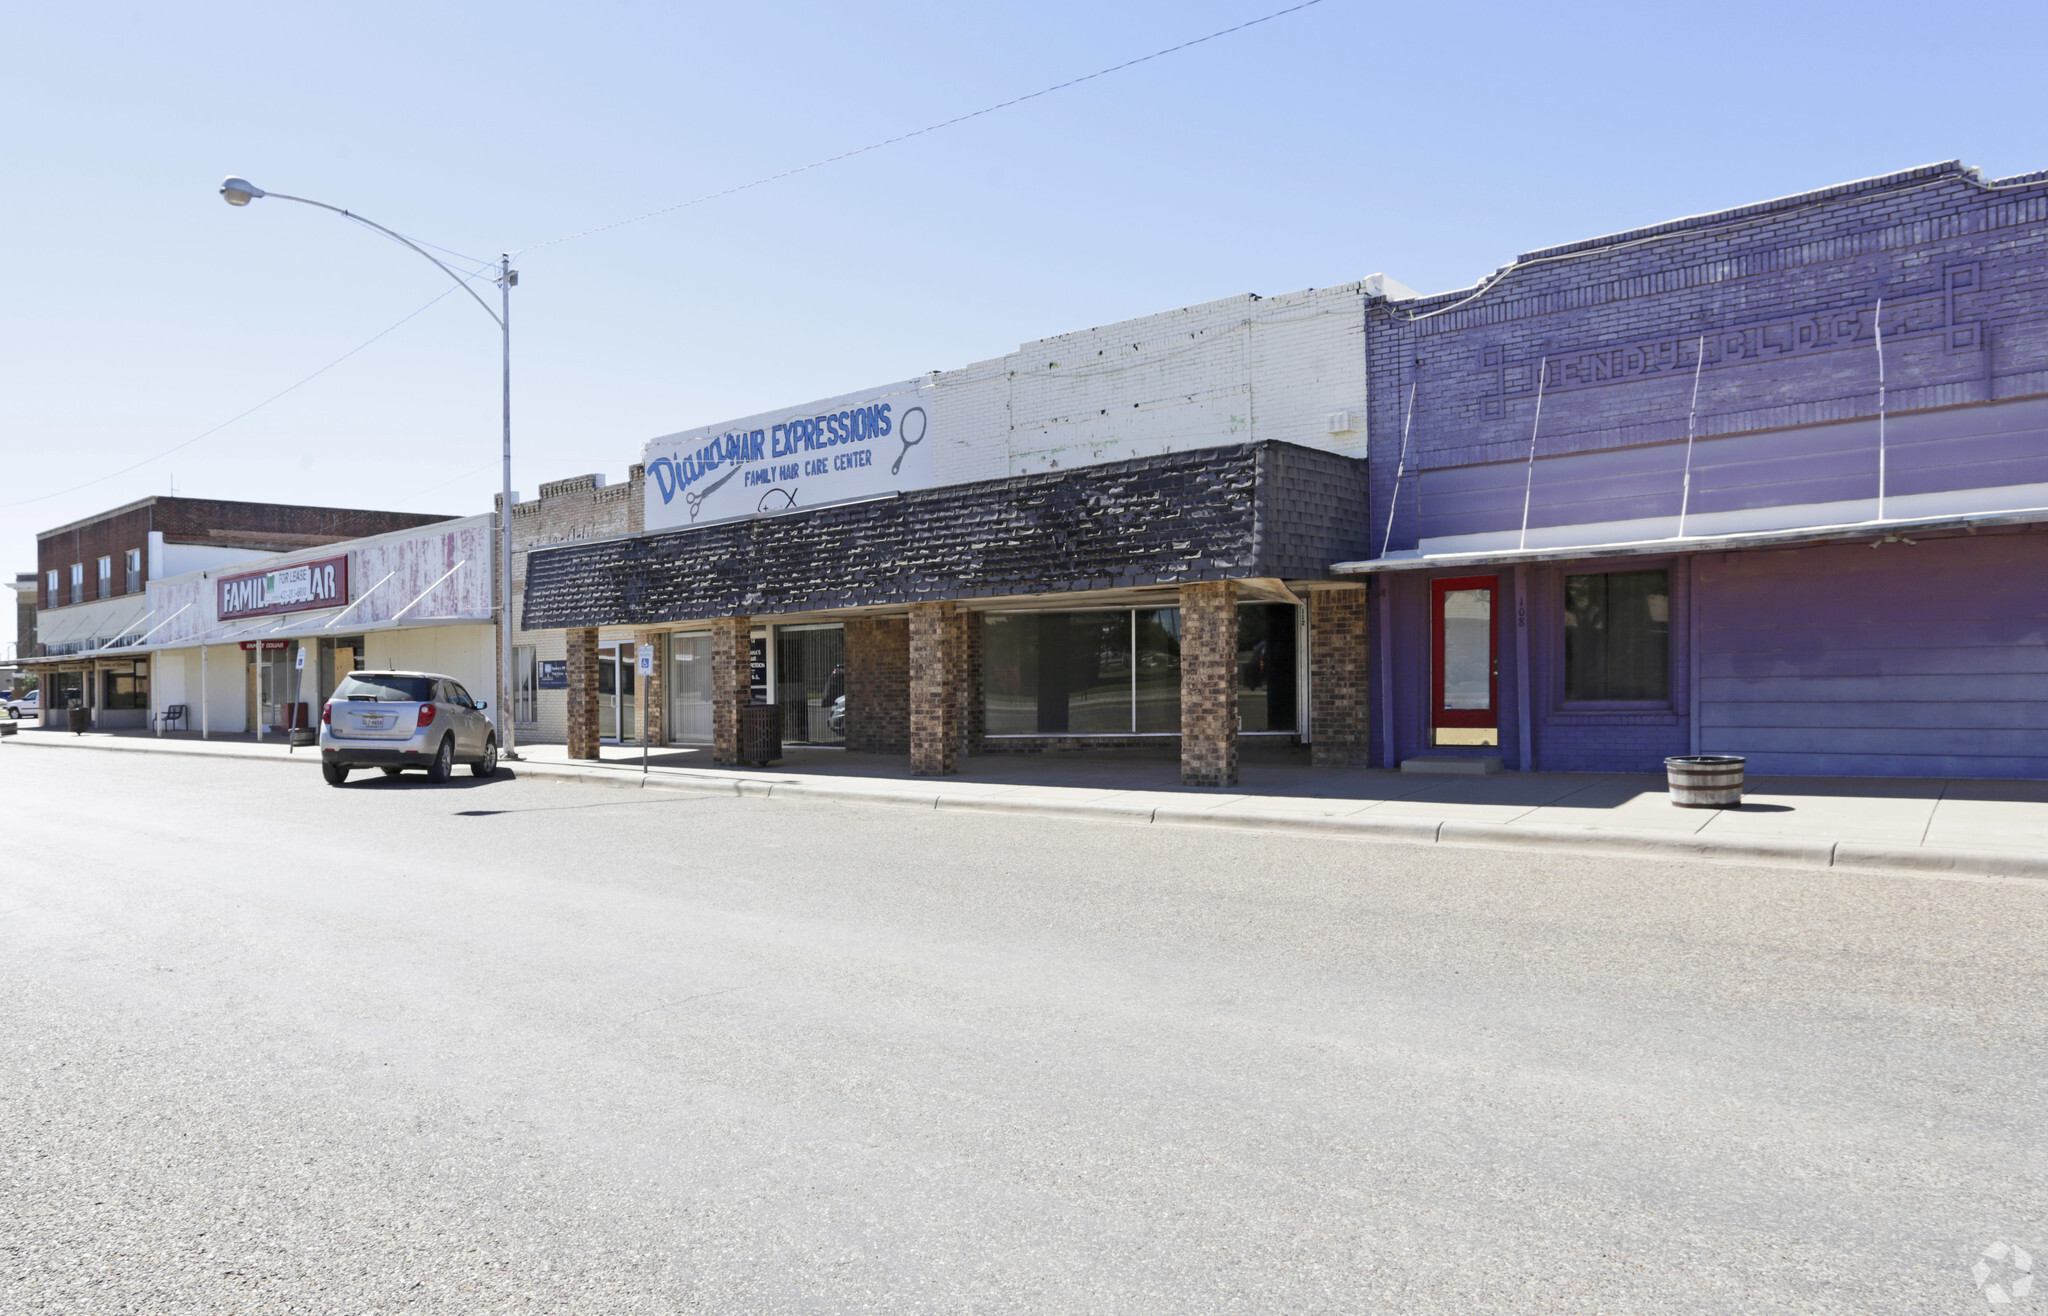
{"x": 1246, "y": 510}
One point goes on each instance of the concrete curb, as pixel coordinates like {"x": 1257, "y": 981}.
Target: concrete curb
{"x": 1789, "y": 852}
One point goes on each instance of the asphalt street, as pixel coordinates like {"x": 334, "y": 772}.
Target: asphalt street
{"x": 268, "y": 1046}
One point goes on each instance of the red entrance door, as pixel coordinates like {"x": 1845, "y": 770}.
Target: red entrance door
{"x": 1465, "y": 671}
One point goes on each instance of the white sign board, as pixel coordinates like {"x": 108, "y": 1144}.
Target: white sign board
{"x": 301, "y": 663}
{"x": 645, "y": 653}
{"x": 843, "y": 449}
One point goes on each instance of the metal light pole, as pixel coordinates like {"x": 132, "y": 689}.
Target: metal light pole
{"x": 240, "y": 192}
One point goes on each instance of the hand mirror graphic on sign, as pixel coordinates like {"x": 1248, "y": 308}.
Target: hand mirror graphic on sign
{"x": 694, "y": 500}
{"x": 911, "y": 433}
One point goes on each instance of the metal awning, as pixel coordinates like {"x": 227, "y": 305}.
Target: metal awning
{"x": 1875, "y": 532}
{"x": 258, "y": 628}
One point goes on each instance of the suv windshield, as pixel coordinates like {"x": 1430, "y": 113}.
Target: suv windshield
{"x": 386, "y": 688}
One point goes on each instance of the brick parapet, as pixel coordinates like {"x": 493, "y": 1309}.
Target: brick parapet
{"x": 1784, "y": 293}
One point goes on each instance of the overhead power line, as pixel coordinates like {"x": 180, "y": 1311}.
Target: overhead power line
{"x": 684, "y": 205}
{"x": 928, "y": 128}
{"x": 179, "y": 447}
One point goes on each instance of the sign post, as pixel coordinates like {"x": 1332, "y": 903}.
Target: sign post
{"x": 645, "y": 653}
{"x": 291, "y": 718}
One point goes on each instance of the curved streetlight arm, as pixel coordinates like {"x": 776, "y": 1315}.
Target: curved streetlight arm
{"x": 350, "y": 214}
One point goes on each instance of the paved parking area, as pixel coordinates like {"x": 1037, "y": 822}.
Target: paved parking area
{"x": 527, "y": 1045}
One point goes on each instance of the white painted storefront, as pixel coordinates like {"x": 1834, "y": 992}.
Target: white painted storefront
{"x": 1239, "y": 370}
{"x": 238, "y": 646}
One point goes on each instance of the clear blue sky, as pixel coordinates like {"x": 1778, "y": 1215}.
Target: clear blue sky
{"x": 1433, "y": 142}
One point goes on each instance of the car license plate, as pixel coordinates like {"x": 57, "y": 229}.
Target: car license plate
{"x": 373, "y": 723}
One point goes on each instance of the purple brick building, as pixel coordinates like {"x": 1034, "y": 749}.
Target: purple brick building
{"x": 1772, "y": 481}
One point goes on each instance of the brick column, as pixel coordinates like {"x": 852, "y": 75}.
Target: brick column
{"x": 582, "y": 649}
{"x": 1208, "y": 683}
{"x": 655, "y": 685}
{"x": 937, "y": 670}
{"x": 731, "y": 685}
{"x": 878, "y": 685}
{"x": 1339, "y": 684}
{"x": 973, "y": 709}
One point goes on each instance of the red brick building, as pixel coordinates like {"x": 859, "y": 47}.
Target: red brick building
{"x": 114, "y": 554}
{"x": 92, "y": 576}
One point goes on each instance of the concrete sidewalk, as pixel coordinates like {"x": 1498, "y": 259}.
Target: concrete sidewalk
{"x": 1962, "y": 827}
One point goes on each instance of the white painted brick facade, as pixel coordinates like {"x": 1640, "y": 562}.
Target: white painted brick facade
{"x": 1241, "y": 369}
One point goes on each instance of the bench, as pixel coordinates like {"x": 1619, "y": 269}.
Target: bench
{"x": 175, "y": 713}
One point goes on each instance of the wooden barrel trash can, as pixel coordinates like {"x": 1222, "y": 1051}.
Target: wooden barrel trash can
{"x": 1705, "y": 781}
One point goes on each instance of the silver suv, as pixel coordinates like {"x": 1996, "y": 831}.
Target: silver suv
{"x": 398, "y": 720}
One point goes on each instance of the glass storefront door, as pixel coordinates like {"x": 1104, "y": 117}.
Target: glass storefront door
{"x": 618, "y": 708}
{"x": 810, "y": 683}
{"x": 273, "y": 682}
{"x": 1465, "y": 673}
{"x": 689, "y": 689}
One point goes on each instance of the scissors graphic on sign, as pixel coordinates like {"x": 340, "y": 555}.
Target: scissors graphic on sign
{"x": 910, "y": 438}
{"x": 695, "y": 499}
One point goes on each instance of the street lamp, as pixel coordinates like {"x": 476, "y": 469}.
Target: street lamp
{"x": 240, "y": 192}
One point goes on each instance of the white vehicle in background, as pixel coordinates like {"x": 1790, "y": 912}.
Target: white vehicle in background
{"x": 29, "y": 705}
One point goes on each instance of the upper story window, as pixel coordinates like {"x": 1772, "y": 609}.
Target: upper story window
{"x": 134, "y": 583}
{"x": 78, "y": 582}
{"x": 106, "y": 578}
{"x": 1617, "y": 637}
{"x": 52, "y": 598}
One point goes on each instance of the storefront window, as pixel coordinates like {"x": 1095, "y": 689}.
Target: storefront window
{"x": 1157, "y": 693}
{"x": 1117, "y": 673}
{"x": 810, "y": 683}
{"x": 1617, "y": 637}
{"x": 127, "y": 688}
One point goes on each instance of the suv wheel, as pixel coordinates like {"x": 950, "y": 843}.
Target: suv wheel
{"x": 335, "y": 773}
{"x": 488, "y": 764}
{"x": 443, "y": 766}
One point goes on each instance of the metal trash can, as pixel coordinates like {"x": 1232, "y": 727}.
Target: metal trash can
{"x": 1705, "y": 781}
{"x": 81, "y": 719}
{"x": 760, "y": 733}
